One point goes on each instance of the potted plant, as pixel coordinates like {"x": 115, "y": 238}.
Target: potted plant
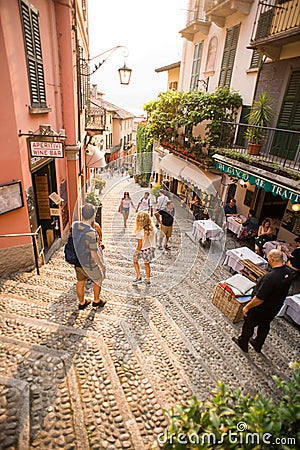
{"x": 99, "y": 183}
{"x": 260, "y": 115}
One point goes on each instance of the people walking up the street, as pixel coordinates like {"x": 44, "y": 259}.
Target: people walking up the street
{"x": 269, "y": 295}
{"x": 145, "y": 204}
{"x": 162, "y": 200}
{"x": 122, "y": 170}
{"x": 145, "y": 249}
{"x": 89, "y": 265}
{"x": 124, "y": 207}
{"x": 165, "y": 218}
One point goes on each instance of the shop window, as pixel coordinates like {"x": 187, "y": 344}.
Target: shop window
{"x": 33, "y": 50}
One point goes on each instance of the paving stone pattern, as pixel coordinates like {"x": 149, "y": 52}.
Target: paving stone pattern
{"x": 100, "y": 379}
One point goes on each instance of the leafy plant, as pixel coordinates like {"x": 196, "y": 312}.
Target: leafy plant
{"x": 93, "y": 198}
{"x": 232, "y": 419}
{"x": 99, "y": 183}
{"x": 260, "y": 115}
{"x": 155, "y": 189}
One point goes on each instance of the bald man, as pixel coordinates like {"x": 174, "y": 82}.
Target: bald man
{"x": 269, "y": 295}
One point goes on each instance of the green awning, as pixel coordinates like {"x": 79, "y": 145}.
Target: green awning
{"x": 269, "y": 186}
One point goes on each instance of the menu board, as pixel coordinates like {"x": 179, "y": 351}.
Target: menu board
{"x": 10, "y": 196}
{"x": 296, "y": 227}
{"x": 291, "y": 221}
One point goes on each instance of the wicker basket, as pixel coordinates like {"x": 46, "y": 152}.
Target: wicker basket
{"x": 228, "y": 304}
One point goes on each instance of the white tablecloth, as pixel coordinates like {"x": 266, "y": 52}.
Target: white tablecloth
{"x": 206, "y": 229}
{"x": 233, "y": 258}
{"x": 270, "y": 245}
{"x": 291, "y": 308}
{"x": 234, "y": 224}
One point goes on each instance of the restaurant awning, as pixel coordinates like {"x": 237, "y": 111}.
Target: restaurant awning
{"x": 173, "y": 165}
{"x": 94, "y": 157}
{"x": 284, "y": 187}
{"x": 205, "y": 181}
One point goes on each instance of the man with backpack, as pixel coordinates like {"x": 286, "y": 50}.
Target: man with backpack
{"x": 145, "y": 204}
{"x": 89, "y": 264}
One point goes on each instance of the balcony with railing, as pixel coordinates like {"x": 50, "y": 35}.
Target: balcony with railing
{"x": 279, "y": 150}
{"x": 218, "y": 10}
{"x": 277, "y": 24}
{"x": 196, "y": 22}
{"x": 95, "y": 120}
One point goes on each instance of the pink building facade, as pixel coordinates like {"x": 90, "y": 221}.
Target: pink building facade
{"x": 44, "y": 94}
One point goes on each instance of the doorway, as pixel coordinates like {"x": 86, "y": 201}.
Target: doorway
{"x": 44, "y": 184}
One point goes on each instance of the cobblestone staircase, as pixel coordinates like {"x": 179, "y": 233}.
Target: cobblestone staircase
{"x": 101, "y": 378}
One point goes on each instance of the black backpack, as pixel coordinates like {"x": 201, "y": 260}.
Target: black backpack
{"x": 70, "y": 252}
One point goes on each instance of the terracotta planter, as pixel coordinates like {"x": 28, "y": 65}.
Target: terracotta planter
{"x": 254, "y": 149}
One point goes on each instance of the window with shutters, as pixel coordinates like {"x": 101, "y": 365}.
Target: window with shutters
{"x": 196, "y": 66}
{"x": 286, "y": 144}
{"x": 256, "y": 59}
{"x": 33, "y": 50}
{"x": 231, "y": 41}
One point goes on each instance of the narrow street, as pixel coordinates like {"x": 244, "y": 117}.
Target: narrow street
{"x": 101, "y": 378}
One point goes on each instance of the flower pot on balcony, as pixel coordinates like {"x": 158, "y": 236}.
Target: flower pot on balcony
{"x": 254, "y": 149}
{"x": 259, "y": 117}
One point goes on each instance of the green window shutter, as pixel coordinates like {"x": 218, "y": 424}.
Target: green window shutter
{"x": 231, "y": 41}
{"x": 256, "y": 59}
{"x": 289, "y": 118}
{"x": 33, "y": 49}
{"x": 196, "y": 66}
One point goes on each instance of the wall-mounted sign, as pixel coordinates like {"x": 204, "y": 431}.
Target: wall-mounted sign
{"x": 269, "y": 186}
{"x": 55, "y": 198}
{"x": 54, "y": 212}
{"x": 46, "y": 149}
{"x": 10, "y": 196}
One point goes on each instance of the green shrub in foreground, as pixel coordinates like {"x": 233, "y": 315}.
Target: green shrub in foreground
{"x": 233, "y": 420}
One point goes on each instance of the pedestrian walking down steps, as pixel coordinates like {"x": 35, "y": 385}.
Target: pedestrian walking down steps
{"x": 145, "y": 249}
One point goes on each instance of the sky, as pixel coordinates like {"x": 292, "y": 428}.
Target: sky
{"x": 150, "y": 31}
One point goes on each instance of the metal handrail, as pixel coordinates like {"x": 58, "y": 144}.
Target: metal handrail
{"x": 34, "y": 242}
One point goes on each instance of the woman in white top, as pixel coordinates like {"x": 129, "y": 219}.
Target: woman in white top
{"x": 265, "y": 233}
{"x": 144, "y": 231}
{"x": 125, "y": 207}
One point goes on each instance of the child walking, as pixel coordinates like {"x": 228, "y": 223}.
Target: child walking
{"x": 144, "y": 231}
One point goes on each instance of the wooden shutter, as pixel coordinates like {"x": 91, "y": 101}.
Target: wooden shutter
{"x": 196, "y": 66}
{"x": 256, "y": 59}
{"x": 33, "y": 49}
{"x": 289, "y": 118}
{"x": 231, "y": 41}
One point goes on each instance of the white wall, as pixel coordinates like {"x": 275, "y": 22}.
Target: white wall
{"x": 242, "y": 79}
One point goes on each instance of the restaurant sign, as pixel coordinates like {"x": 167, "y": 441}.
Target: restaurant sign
{"x": 46, "y": 149}
{"x": 267, "y": 185}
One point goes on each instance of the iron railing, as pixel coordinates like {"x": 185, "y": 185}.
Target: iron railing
{"x": 37, "y": 242}
{"x": 278, "y": 145}
{"x": 274, "y": 18}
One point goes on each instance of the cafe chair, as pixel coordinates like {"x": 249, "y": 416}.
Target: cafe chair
{"x": 249, "y": 237}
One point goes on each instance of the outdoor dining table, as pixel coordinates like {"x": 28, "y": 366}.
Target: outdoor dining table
{"x": 234, "y": 224}
{"x": 291, "y": 308}
{"x": 206, "y": 229}
{"x": 235, "y": 257}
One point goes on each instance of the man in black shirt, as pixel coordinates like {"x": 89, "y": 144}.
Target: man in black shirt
{"x": 269, "y": 295}
{"x": 165, "y": 218}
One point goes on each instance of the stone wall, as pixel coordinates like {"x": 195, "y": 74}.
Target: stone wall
{"x": 15, "y": 259}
